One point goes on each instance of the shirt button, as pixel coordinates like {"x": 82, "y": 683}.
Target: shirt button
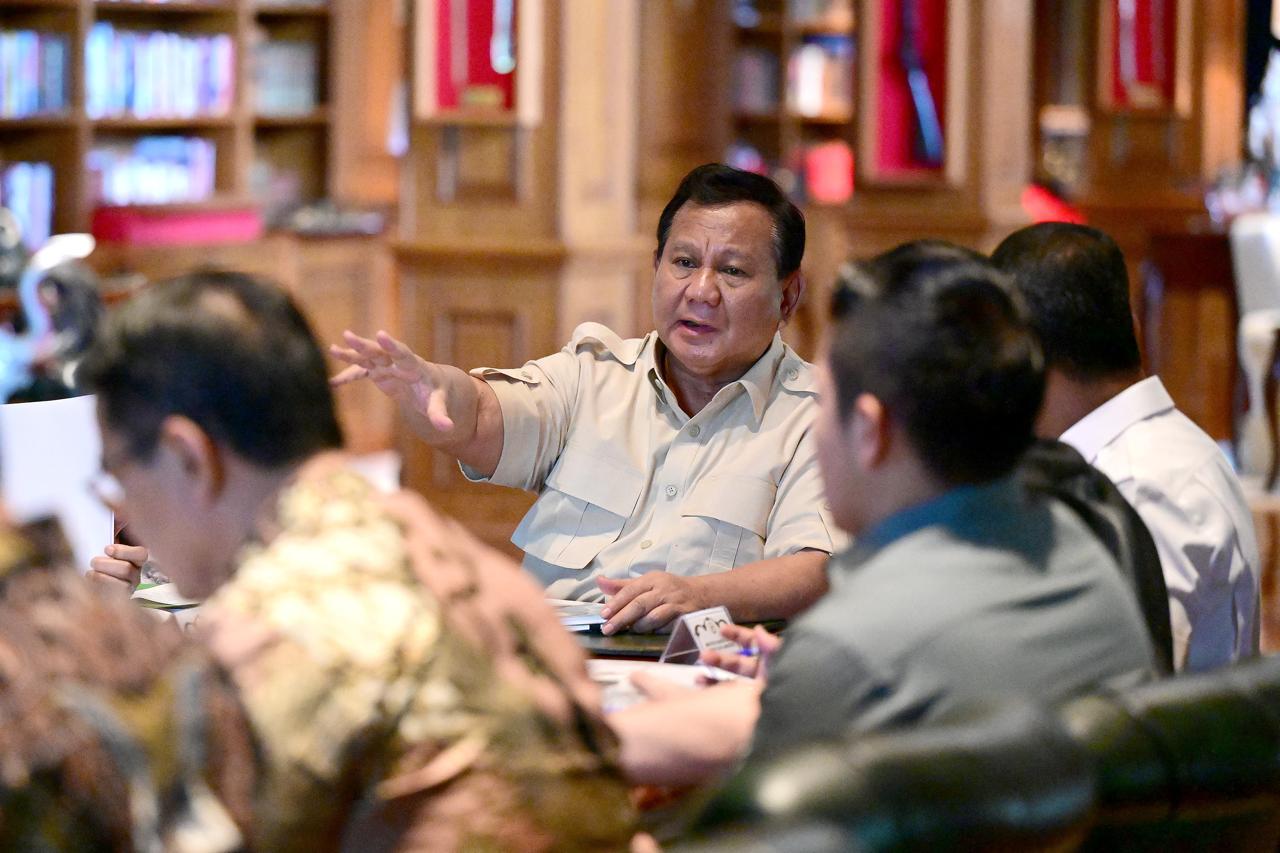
{"x": 648, "y": 543}
{"x": 793, "y": 374}
{"x": 695, "y": 431}
{"x": 671, "y": 491}
{"x": 526, "y": 376}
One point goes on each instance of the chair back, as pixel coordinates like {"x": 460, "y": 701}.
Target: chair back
{"x": 1011, "y": 779}
{"x": 1190, "y": 763}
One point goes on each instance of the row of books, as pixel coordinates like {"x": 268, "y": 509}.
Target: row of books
{"x": 33, "y": 73}
{"x": 26, "y": 189}
{"x": 158, "y": 74}
{"x": 285, "y": 77}
{"x": 153, "y": 170}
{"x": 819, "y": 79}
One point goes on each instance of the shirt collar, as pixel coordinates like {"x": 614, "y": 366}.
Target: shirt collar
{"x": 778, "y": 363}
{"x": 963, "y": 508}
{"x": 1104, "y": 424}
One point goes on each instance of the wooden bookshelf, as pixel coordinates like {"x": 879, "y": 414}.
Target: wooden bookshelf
{"x": 299, "y": 148}
{"x": 766, "y": 37}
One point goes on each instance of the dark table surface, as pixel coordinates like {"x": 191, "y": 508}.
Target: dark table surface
{"x": 643, "y": 646}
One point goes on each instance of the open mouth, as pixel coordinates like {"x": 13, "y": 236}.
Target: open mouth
{"x": 694, "y": 326}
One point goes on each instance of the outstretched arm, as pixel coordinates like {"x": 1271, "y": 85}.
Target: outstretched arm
{"x": 449, "y": 409}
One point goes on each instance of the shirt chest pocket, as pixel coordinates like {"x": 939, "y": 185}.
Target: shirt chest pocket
{"x": 731, "y": 517}
{"x": 583, "y": 507}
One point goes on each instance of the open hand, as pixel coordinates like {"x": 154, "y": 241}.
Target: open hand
{"x": 398, "y": 372}
{"x": 649, "y": 602}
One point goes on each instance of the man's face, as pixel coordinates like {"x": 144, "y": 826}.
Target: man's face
{"x": 717, "y": 300}
{"x": 156, "y": 501}
{"x": 836, "y": 458}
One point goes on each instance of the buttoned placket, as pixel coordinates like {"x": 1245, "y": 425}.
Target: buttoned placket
{"x": 683, "y": 437}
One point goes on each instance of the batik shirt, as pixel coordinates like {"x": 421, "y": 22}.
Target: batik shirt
{"x": 403, "y": 678}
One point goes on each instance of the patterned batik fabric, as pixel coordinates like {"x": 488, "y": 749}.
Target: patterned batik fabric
{"x": 410, "y": 687}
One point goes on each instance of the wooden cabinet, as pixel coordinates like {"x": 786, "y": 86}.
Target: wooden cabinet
{"x": 340, "y": 283}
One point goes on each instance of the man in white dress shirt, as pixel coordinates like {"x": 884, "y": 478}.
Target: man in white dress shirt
{"x": 1098, "y": 400}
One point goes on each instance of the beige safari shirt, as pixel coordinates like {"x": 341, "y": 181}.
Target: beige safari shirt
{"x": 628, "y": 483}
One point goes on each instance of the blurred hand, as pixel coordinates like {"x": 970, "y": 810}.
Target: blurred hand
{"x": 398, "y": 372}
{"x": 648, "y": 603}
{"x": 759, "y": 645}
{"x": 119, "y": 566}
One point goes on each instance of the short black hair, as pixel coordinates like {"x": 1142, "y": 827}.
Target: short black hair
{"x": 227, "y": 350}
{"x": 1076, "y": 287}
{"x": 715, "y": 185}
{"x": 938, "y": 335}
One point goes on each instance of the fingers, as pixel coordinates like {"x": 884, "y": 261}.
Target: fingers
{"x": 135, "y": 554}
{"x": 438, "y": 410}
{"x": 119, "y": 574}
{"x": 348, "y": 374}
{"x": 622, "y": 609}
{"x": 395, "y": 349}
{"x": 740, "y": 634}
{"x": 732, "y": 662}
{"x": 656, "y": 619}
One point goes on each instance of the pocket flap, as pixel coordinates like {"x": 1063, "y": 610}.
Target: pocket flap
{"x": 582, "y": 510}
{"x": 606, "y": 482}
{"x": 742, "y": 501}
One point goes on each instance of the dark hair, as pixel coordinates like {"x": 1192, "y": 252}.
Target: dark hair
{"x": 230, "y": 352}
{"x": 937, "y": 334}
{"x": 1074, "y": 282}
{"x": 715, "y": 185}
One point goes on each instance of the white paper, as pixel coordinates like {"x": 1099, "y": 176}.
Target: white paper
{"x": 48, "y": 453}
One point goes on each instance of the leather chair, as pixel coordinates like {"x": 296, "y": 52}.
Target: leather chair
{"x": 1191, "y": 763}
{"x": 1012, "y": 779}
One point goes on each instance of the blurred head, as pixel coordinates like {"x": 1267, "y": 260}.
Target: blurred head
{"x": 931, "y": 380}
{"x": 726, "y": 271}
{"x": 210, "y": 388}
{"x": 1076, "y": 287}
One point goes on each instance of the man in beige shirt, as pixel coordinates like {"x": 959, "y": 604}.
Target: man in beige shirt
{"x": 665, "y": 462}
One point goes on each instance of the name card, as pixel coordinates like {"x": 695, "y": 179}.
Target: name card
{"x": 698, "y": 632}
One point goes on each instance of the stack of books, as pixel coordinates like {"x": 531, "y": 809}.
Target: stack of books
{"x": 33, "y": 73}
{"x": 158, "y": 74}
{"x": 153, "y": 170}
{"x": 26, "y": 189}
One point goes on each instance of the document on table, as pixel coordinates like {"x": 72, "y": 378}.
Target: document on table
{"x": 617, "y": 691}
{"x": 577, "y": 615}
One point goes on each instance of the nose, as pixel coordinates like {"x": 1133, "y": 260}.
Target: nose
{"x": 704, "y": 287}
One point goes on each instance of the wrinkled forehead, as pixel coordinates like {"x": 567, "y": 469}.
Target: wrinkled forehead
{"x": 743, "y": 226}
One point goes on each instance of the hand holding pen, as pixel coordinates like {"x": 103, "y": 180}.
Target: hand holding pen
{"x": 755, "y": 647}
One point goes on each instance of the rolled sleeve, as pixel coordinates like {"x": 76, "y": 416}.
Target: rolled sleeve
{"x": 800, "y": 519}
{"x": 537, "y": 405}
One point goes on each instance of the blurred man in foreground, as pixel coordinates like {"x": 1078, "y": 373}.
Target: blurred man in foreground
{"x": 408, "y": 686}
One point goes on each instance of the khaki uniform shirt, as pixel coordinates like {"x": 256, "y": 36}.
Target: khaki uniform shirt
{"x": 628, "y": 483}
{"x": 408, "y": 686}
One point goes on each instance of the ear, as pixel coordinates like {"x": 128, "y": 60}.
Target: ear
{"x": 197, "y": 459}
{"x": 868, "y": 426}
{"x": 792, "y": 289}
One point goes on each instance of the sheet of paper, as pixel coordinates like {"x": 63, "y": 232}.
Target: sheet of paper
{"x": 617, "y": 691}
{"x": 48, "y": 452}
